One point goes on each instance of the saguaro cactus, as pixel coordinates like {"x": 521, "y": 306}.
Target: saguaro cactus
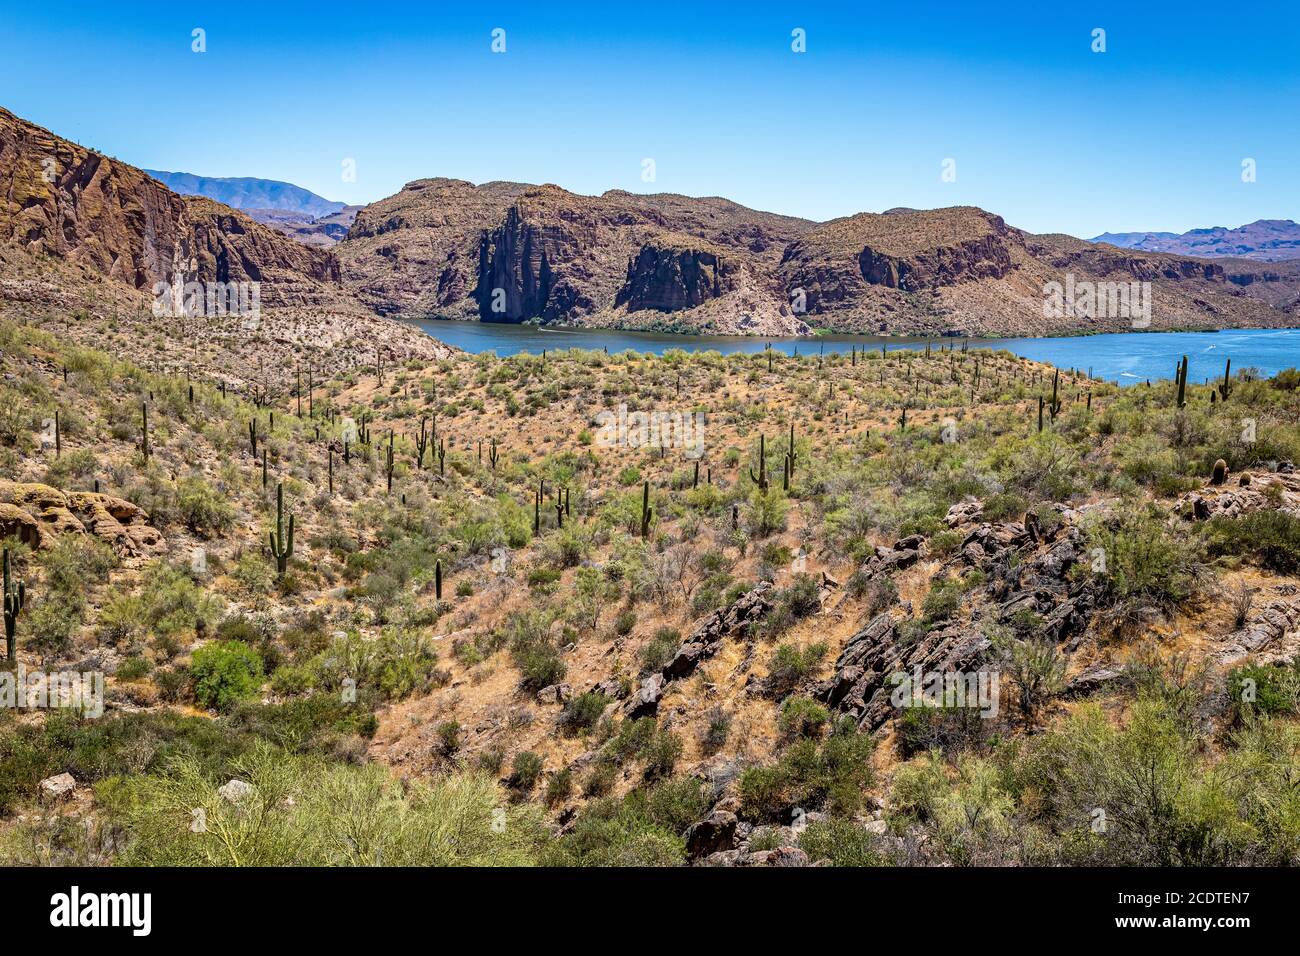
{"x": 252, "y": 435}
{"x": 1182, "y": 383}
{"x": 647, "y": 513}
{"x": 15, "y": 596}
{"x": 1226, "y": 387}
{"x": 281, "y": 544}
{"x": 421, "y": 443}
{"x": 761, "y": 478}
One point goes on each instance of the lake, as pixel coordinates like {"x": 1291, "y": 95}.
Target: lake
{"x": 1123, "y": 357}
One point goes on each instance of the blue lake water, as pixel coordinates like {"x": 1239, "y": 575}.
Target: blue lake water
{"x": 1125, "y": 357}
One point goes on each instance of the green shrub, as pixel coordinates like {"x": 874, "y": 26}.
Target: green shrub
{"x": 1264, "y": 689}
{"x": 581, "y": 713}
{"x": 224, "y": 673}
{"x": 202, "y": 508}
{"x": 560, "y": 787}
{"x": 661, "y": 648}
{"x": 525, "y": 771}
{"x": 802, "y": 717}
{"x": 339, "y": 815}
{"x": 843, "y": 843}
{"x": 1272, "y": 537}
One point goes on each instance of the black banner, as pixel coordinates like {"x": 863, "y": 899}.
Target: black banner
{"x": 143, "y": 907}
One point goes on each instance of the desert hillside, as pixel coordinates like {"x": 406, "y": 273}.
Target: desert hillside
{"x": 623, "y": 609}
{"x": 510, "y": 252}
{"x": 75, "y": 221}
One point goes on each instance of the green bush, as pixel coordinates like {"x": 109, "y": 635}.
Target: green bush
{"x": 225, "y": 673}
{"x": 306, "y": 812}
{"x": 843, "y": 843}
{"x": 656, "y": 654}
{"x": 581, "y": 713}
{"x": 1271, "y": 537}
{"x": 802, "y": 717}
{"x": 833, "y": 774}
{"x": 525, "y": 771}
{"x": 202, "y": 508}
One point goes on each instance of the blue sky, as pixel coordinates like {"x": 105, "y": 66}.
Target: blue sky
{"x": 1150, "y": 134}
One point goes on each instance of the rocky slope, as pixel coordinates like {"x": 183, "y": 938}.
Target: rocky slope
{"x": 443, "y": 247}
{"x": 66, "y": 202}
{"x": 507, "y": 252}
{"x": 85, "y": 236}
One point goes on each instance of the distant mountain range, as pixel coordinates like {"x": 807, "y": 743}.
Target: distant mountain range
{"x": 246, "y": 192}
{"x": 292, "y": 210}
{"x": 1266, "y": 240}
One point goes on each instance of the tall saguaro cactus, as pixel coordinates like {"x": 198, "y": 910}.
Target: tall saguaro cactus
{"x": 761, "y": 478}
{"x": 1182, "y": 383}
{"x": 281, "y": 544}
{"x": 647, "y": 513}
{"x": 15, "y": 596}
{"x": 1054, "y": 406}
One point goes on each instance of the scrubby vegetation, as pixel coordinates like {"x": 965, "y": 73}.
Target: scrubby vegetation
{"x": 491, "y": 635}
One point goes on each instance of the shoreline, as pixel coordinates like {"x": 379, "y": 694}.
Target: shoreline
{"x": 822, "y": 334}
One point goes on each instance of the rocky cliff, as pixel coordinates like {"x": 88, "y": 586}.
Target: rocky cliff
{"x": 670, "y": 275}
{"x": 508, "y": 252}
{"x": 69, "y": 203}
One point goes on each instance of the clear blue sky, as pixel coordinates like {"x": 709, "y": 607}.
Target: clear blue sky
{"x": 1148, "y": 135}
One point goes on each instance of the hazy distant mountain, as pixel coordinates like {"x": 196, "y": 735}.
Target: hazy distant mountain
{"x": 1267, "y": 240}
{"x": 246, "y": 192}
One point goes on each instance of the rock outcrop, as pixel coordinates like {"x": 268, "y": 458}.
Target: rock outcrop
{"x": 704, "y": 642}
{"x": 669, "y": 275}
{"x": 73, "y": 204}
{"x": 37, "y": 514}
{"x": 1249, "y": 492}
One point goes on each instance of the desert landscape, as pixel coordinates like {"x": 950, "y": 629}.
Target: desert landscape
{"x": 289, "y": 581}
{"x": 584, "y": 608}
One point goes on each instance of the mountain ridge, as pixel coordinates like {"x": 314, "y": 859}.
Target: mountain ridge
{"x": 1264, "y": 240}
{"x": 249, "y": 192}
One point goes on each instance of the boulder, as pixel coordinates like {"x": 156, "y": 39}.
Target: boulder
{"x": 38, "y": 514}
{"x": 555, "y": 694}
{"x": 1094, "y": 677}
{"x": 645, "y": 702}
{"x": 235, "y": 791}
{"x": 714, "y": 834}
{"x": 57, "y": 788}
